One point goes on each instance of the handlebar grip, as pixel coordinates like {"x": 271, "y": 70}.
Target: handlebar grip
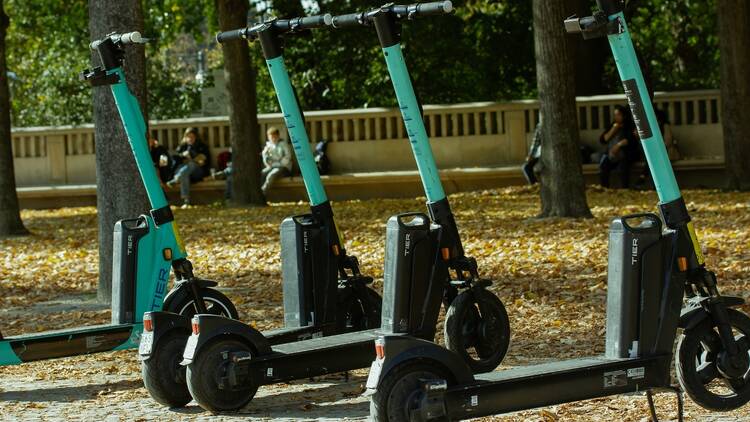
{"x": 234, "y": 34}
{"x": 132, "y": 38}
{"x": 311, "y": 22}
{"x": 352, "y": 19}
{"x": 424, "y": 9}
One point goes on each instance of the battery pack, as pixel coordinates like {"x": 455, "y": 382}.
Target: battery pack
{"x": 633, "y": 270}
{"x": 411, "y": 245}
{"x": 305, "y": 270}
{"x": 127, "y": 235}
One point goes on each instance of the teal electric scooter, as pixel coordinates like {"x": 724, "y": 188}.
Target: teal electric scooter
{"x": 654, "y": 264}
{"x": 145, "y": 248}
{"x": 425, "y": 267}
{"x": 324, "y": 291}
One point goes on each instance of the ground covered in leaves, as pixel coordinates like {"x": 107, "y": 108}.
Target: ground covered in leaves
{"x": 550, "y": 273}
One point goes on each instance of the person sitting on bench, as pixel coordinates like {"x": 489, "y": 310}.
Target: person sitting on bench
{"x": 277, "y": 159}
{"x": 193, "y": 160}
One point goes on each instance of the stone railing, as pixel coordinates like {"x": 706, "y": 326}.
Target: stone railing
{"x": 371, "y": 140}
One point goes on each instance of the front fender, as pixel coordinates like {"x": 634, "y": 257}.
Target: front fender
{"x": 182, "y": 289}
{"x": 211, "y": 327}
{"x": 695, "y": 311}
{"x": 401, "y": 349}
{"x": 163, "y": 323}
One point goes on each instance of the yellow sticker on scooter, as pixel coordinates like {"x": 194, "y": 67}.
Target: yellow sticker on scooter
{"x": 178, "y": 239}
{"x": 696, "y": 245}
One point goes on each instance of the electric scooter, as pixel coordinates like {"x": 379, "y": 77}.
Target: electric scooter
{"x": 324, "y": 290}
{"x": 651, "y": 268}
{"x": 144, "y": 249}
{"x": 227, "y": 361}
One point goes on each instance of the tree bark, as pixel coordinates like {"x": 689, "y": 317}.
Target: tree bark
{"x": 10, "y": 217}
{"x": 243, "y": 110}
{"x": 563, "y": 192}
{"x": 734, "y": 39}
{"x": 119, "y": 193}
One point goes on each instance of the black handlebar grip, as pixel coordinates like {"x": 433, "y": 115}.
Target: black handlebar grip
{"x": 234, "y": 34}
{"x": 311, "y": 22}
{"x": 424, "y": 9}
{"x": 352, "y": 19}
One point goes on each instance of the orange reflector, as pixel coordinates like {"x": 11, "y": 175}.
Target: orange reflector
{"x": 148, "y": 324}
{"x": 380, "y": 349}
{"x": 336, "y": 250}
{"x": 446, "y": 253}
{"x": 682, "y": 263}
{"x": 167, "y": 254}
{"x": 196, "y": 326}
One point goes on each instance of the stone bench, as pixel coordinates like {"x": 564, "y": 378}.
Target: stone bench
{"x": 692, "y": 173}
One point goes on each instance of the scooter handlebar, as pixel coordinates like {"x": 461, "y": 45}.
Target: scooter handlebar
{"x": 352, "y": 19}
{"x": 423, "y": 9}
{"x": 282, "y": 25}
{"x": 409, "y": 11}
{"x": 126, "y": 38}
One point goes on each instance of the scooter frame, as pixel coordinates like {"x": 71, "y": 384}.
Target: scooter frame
{"x": 459, "y": 394}
{"x": 158, "y": 249}
{"x": 267, "y": 365}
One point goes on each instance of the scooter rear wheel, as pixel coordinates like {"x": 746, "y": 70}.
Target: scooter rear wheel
{"x": 698, "y": 351}
{"x": 478, "y": 329}
{"x": 162, "y": 373}
{"x": 399, "y": 391}
{"x": 204, "y": 377}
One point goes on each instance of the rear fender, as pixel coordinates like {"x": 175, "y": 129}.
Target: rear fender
{"x": 212, "y": 327}
{"x": 164, "y": 323}
{"x": 401, "y": 349}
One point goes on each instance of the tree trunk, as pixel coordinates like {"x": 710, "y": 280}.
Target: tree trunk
{"x": 734, "y": 38}
{"x": 563, "y": 192}
{"x": 10, "y": 217}
{"x": 119, "y": 193}
{"x": 243, "y": 109}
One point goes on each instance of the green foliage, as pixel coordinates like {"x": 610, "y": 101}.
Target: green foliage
{"x": 678, "y": 42}
{"x": 46, "y": 40}
{"x": 484, "y": 52}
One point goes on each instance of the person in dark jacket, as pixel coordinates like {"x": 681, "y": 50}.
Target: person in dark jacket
{"x": 161, "y": 159}
{"x": 193, "y": 160}
{"x": 622, "y": 147}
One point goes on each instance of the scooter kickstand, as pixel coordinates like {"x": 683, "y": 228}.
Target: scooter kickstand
{"x": 652, "y": 406}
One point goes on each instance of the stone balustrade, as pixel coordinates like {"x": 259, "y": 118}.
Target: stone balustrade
{"x": 373, "y": 140}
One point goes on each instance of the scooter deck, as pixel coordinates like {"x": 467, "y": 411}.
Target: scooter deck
{"x": 554, "y": 383}
{"x": 68, "y": 342}
{"x": 318, "y": 356}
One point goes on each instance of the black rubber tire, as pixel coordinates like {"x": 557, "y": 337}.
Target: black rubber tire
{"x": 203, "y": 377}
{"x": 162, "y": 373}
{"x": 688, "y": 349}
{"x": 477, "y": 318}
{"x": 358, "y": 309}
{"x": 216, "y": 302}
{"x": 392, "y": 399}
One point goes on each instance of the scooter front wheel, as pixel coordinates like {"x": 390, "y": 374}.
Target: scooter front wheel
{"x": 216, "y": 302}
{"x": 162, "y": 373}
{"x": 478, "y": 329}
{"x": 208, "y": 377}
{"x": 399, "y": 392}
{"x": 703, "y": 367}
{"x": 359, "y": 309}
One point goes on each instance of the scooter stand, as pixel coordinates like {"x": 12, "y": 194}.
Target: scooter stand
{"x": 652, "y": 407}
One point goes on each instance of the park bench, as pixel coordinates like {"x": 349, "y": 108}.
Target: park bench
{"x": 696, "y": 173}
